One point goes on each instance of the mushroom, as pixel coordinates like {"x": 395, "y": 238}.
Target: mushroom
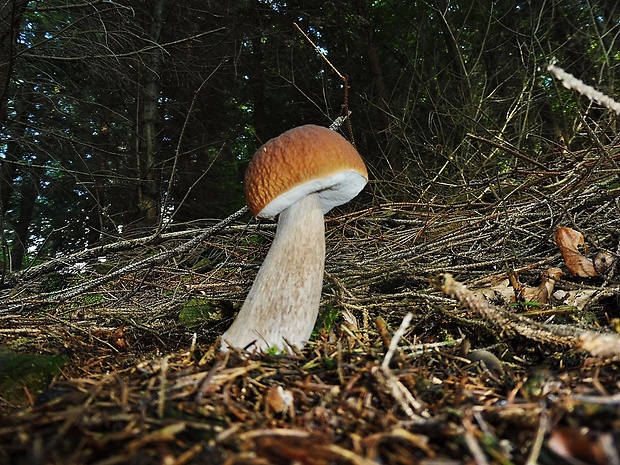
{"x": 299, "y": 175}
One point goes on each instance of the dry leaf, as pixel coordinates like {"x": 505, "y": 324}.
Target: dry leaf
{"x": 506, "y": 291}
{"x": 502, "y": 293}
{"x": 568, "y": 241}
{"x": 279, "y": 400}
{"x": 120, "y": 340}
{"x": 577, "y": 298}
{"x": 541, "y": 293}
{"x": 576, "y": 447}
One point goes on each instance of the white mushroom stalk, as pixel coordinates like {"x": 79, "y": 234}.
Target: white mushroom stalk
{"x": 290, "y": 280}
{"x": 299, "y": 175}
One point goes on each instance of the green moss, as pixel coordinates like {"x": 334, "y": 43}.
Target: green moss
{"x": 54, "y": 281}
{"x": 21, "y": 373}
{"x": 194, "y": 312}
{"x": 88, "y": 299}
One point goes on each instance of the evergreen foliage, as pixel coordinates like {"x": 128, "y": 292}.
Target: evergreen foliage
{"x": 119, "y": 117}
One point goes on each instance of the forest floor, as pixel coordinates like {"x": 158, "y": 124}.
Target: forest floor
{"x": 479, "y": 330}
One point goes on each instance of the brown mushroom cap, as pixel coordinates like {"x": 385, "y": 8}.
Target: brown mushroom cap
{"x": 299, "y": 162}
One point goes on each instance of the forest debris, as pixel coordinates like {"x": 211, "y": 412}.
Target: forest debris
{"x": 414, "y": 441}
{"x": 571, "y": 82}
{"x": 499, "y": 292}
{"x": 281, "y": 445}
{"x": 542, "y": 293}
{"x": 568, "y": 241}
{"x": 383, "y": 374}
{"x": 148, "y": 262}
{"x": 537, "y": 443}
{"x": 166, "y": 433}
{"x": 470, "y": 436}
{"x": 510, "y": 290}
{"x": 604, "y": 262}
{"x": 597, "y": 343}
{"x": 279, "y": 400}
{"x": 579, "y": 448}
{"x": 600, "y": 400}
{"x": 120, "y": 337}
{"x": 577, "y": 298}
{"x": 378, "y": 398}
{"x": 600, "y": 344}
{"x": 487, "y": 360}
{"x": 350, "y": 420}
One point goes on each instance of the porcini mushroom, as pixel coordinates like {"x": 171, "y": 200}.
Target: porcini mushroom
{"x": 299, "y": 175}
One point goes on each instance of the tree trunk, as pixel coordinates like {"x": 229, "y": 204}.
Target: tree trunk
{"x": 96, "y": 225}
{"x": 8, "y": 168}
{"x": 11, "y": 15}
{"x": 149, "y": 185}
{"x": 390, "y": 147}
{"x": 22, "y": 226}
{"x": 457, "y": 60}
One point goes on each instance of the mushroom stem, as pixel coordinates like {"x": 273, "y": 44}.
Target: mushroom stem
{"x": 283, "y": 303}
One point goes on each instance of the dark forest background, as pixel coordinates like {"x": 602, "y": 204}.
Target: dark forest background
{"x": 120, "y": 117}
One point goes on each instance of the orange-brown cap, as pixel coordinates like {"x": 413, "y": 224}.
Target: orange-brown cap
{"x": 299, "y": 162}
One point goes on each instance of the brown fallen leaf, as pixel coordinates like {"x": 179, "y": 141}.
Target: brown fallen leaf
{"x": 120, "y": 338}
{"x": 542, "y": 292}
{"x": 576, "y": 447}
{"x": 568, "y": 241}
{"x": 279, "y": 400}
{"x": 499, "y": 293}
{"x": 510, "y": 290}
{"x": 577, "y": 298}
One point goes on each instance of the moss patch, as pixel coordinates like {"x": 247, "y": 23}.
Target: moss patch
{"x": 23, "y": 374}
{"x": 195, "y": 312}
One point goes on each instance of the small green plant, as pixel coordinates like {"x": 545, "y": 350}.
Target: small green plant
{"x": 274, "y": 350}
{"x": 195, "y": 311}
{"x": 326, "y": 320}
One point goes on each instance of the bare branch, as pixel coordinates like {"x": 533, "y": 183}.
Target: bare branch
{"x": 571, "y": 82}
